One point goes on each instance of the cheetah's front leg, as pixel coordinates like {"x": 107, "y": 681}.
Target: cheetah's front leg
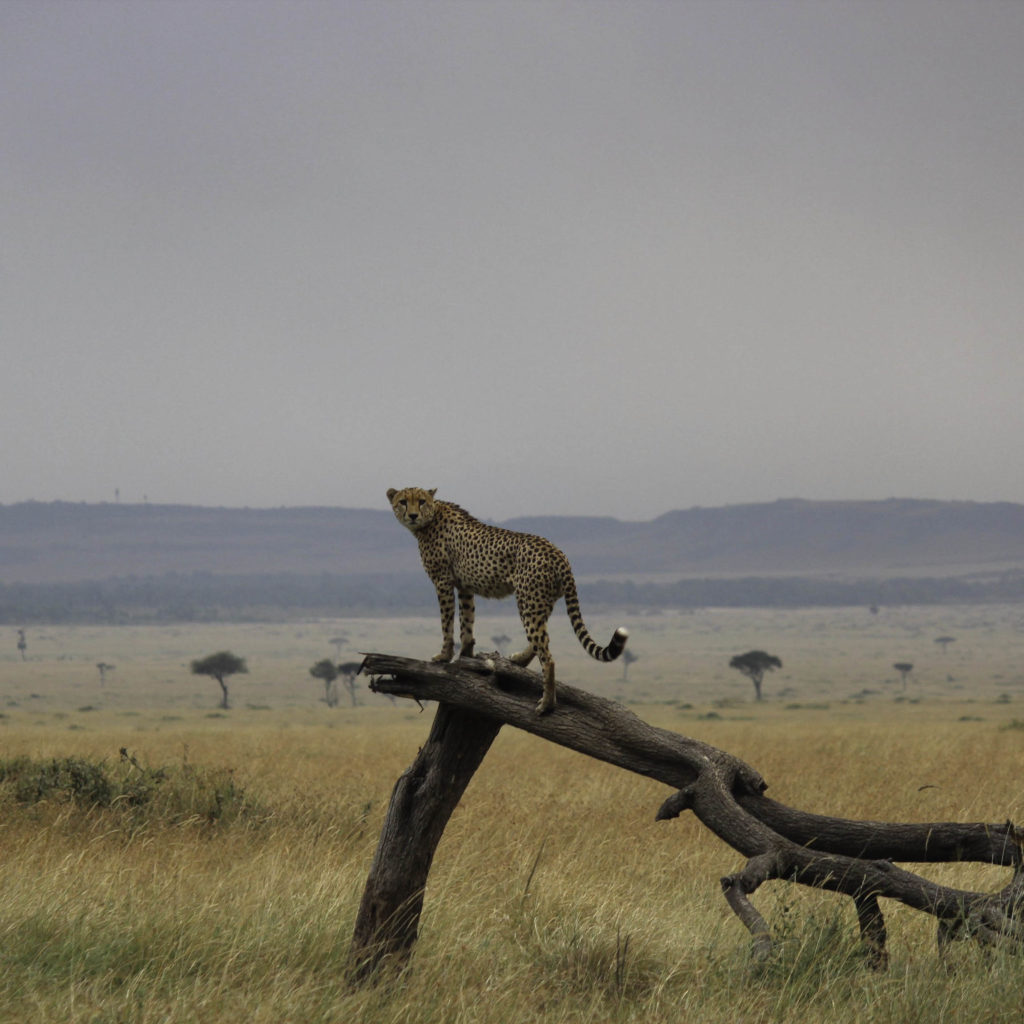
{"x": 467, "y": 616}
{"x": 446, "y": 603}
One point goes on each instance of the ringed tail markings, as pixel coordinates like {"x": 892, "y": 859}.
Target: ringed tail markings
{"x": 615, "y": 646}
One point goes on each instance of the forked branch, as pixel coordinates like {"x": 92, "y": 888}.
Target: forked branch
{"x": 479, "y": 695}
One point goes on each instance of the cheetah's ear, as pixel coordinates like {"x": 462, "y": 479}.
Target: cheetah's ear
{"x": 391, "y": 493}
{"x": 432, "y": 491}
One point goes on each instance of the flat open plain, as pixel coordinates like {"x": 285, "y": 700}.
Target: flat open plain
{"x": 554, "y": 896}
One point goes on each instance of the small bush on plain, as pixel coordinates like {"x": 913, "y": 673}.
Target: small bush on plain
{"x": 137, "y": 793}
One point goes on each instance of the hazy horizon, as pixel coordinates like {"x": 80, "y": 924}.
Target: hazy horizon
{"x": 384, "y": 509}
{"x": 550, "y": 258}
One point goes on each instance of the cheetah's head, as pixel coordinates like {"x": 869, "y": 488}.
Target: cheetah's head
{"x": 413, "y": 506}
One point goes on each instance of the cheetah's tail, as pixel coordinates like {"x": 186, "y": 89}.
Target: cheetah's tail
{"x": 615, "y": 646}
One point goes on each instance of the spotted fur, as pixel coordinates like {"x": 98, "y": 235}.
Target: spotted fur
{"x": 462, "y": 555}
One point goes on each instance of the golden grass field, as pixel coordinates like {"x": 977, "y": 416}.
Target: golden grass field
{"x": 554, "y": 896}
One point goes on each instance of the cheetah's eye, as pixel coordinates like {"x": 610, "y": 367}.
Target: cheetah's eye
{"x": 402, "y": 502}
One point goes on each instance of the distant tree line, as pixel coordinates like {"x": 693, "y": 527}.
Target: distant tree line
{"x": 211, "y": 597}
{"x": 796, "y": 592}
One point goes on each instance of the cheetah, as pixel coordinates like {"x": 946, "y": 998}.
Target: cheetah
{"x": 462, "y": 554}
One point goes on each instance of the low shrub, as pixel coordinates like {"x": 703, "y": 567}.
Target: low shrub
{"x": 133, "y": 792}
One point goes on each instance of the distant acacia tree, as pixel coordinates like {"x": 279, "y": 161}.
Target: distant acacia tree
{"x": 220, "y": 666}
{"x": 22, "y": 643}
{"x": 327, "y": 672}
{"x": 103, "y": 669}
{"x": 500, "y": 640}
{"x": 628, "y": 657}
{"x": 338, "y": 642}
{"x": 347, "y": 672}
{"x": 904, "y": 668}
{"x": 945, "y": 641}
{"x": 753, "y": 665}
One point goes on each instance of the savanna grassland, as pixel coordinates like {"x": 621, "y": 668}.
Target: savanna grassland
{"x": 214, "y": 872}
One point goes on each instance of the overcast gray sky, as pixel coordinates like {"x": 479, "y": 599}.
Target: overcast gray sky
{"x": 549, "y": 257}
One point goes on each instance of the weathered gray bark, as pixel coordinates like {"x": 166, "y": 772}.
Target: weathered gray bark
{"x": 849, "y": 857}
{"x": 421, "y": 804}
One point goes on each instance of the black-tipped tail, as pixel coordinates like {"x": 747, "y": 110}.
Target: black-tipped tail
{"x": 615, "y": 647}
{"x": 595, "y": 650}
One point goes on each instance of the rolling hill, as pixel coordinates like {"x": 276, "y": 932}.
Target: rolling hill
{"x": 60, "y": 542}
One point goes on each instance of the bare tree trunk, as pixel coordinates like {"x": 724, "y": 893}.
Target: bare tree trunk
{"x": 727, "y": 795}
{"x": 421, "y": 804}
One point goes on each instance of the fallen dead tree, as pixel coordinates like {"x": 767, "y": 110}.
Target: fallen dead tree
{"x": 855, "y": 858}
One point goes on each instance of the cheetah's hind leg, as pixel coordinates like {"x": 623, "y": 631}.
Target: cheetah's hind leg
{"x": 547, "y": 701}
{"x": 524, "y": 657}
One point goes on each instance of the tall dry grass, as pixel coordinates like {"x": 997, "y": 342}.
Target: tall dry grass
{"x": 554, "y": 895}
